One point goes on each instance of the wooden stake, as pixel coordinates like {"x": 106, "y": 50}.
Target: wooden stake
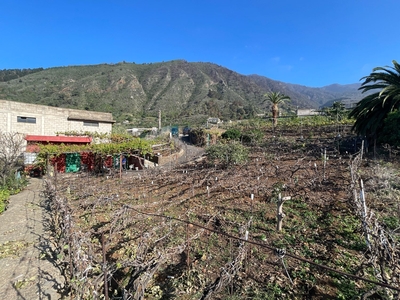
{"x": 324, "y": 162}
{"x": 364, "y": 213}
{"x": 280, "y": 214}
{"x": 104, "y": 266}
{"x": 188, "y": 245}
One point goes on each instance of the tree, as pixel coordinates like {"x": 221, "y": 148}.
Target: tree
{"x": 337, "y": 111}
{"x": 391, "y": 130}
{"x": 276, "y": 98}
{"x": 373, "y": 109}
{"x": 11, "y": 147}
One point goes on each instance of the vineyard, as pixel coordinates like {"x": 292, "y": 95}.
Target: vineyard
{"x": 299, "y": 220}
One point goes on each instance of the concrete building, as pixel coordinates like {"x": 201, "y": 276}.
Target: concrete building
{"x": 307, "y": 112}
{"x": 212, "y": 120}
{"x": 40, "y": 124}
{"x": 44, "y": 120}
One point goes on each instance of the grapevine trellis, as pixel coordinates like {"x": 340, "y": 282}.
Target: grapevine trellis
{"x": 171, "y": 230}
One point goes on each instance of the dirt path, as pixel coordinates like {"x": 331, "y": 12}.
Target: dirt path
{"x": 26, "y": 266}
{"x": 191, "y": 152}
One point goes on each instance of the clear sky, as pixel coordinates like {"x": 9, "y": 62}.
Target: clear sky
{"x": 308, "y": 42}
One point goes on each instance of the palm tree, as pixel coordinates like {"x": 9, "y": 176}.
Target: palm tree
{"x": 276, "y": 98}
{"x": 374, "y": 108}
{"x": 338, "y": 110}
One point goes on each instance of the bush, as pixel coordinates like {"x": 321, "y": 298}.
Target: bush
{"x": 253, "y": 136}
{"x": 198, "y": 137}
{"x": 232, "y": 134}
{"x": 227, "y": 154}
{"x": 4, "y": 195}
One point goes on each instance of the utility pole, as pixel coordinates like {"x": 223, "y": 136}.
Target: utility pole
{"x": 159, "y": 120}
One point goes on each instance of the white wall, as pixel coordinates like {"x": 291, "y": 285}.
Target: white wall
{"x": 50, "y": 120}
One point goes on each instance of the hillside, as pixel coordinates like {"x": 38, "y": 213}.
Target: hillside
{"x": 183, "y": 91}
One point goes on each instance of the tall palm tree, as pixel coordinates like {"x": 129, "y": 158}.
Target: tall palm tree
{"x": 276, "y": 98}
{"x": 374, "y": 108}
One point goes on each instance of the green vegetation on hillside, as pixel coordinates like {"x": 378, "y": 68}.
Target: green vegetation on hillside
{"x": 186, "y": 93}
{"x": 134, "y": 92}
{"x": 10, "y": 74}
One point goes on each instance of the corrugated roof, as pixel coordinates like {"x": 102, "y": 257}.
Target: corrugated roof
{"x": 58, "y": 139}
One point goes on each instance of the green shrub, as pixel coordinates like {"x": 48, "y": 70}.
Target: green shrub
{"x": 254, "y": 136}
{"x": 227, "y": 154}
{"x": 232, "y": 134}
{"x": 4, "y": 195}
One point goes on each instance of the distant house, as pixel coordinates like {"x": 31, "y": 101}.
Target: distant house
{"x": 212, "y": 120}
{"x": 41, "y": 124}
{"x": 350, "y": 103}
{"x": 139, "y": 131}
{"x": 307, "y": 112}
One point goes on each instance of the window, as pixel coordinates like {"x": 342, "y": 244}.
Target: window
{"x": 91, "y": 123}
{"x": 26, "y": 120}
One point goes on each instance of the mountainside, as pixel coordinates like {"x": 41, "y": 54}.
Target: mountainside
{"x": 312, "y": 97}
{"x": 183, "y": 91}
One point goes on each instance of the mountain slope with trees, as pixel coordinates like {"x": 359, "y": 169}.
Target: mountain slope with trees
{"x": 183, "y": 91}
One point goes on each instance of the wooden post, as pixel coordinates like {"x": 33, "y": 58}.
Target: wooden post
{"x": 280, "y": 214}
{"x": 103, "y": 246}
{"x": 252, "y": 198}
{"x": 187, "y": 244}
{"x": 55, "y": 177}
{"x": 324, "y": 162}
{"x": 364, "y": 213}
{"x": 362, "y": 150}
{"x": 120, "y": 166}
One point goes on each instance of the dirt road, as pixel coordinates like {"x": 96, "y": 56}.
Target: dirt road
{"x": 26, "y": 266}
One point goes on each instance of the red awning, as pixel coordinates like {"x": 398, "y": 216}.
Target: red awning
{"x": 58, "y": 139}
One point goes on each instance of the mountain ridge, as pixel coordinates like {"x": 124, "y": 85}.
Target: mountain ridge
{"x": 182, "y": 90}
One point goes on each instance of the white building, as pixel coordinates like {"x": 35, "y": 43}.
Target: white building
{"x": 307, "y": 112}
{"x": 44, "y": 120}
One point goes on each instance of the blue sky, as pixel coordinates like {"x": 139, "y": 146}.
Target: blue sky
{"x": 309, "y": 42}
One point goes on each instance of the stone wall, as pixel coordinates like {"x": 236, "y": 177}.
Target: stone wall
{"x": 173, "y": 158}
